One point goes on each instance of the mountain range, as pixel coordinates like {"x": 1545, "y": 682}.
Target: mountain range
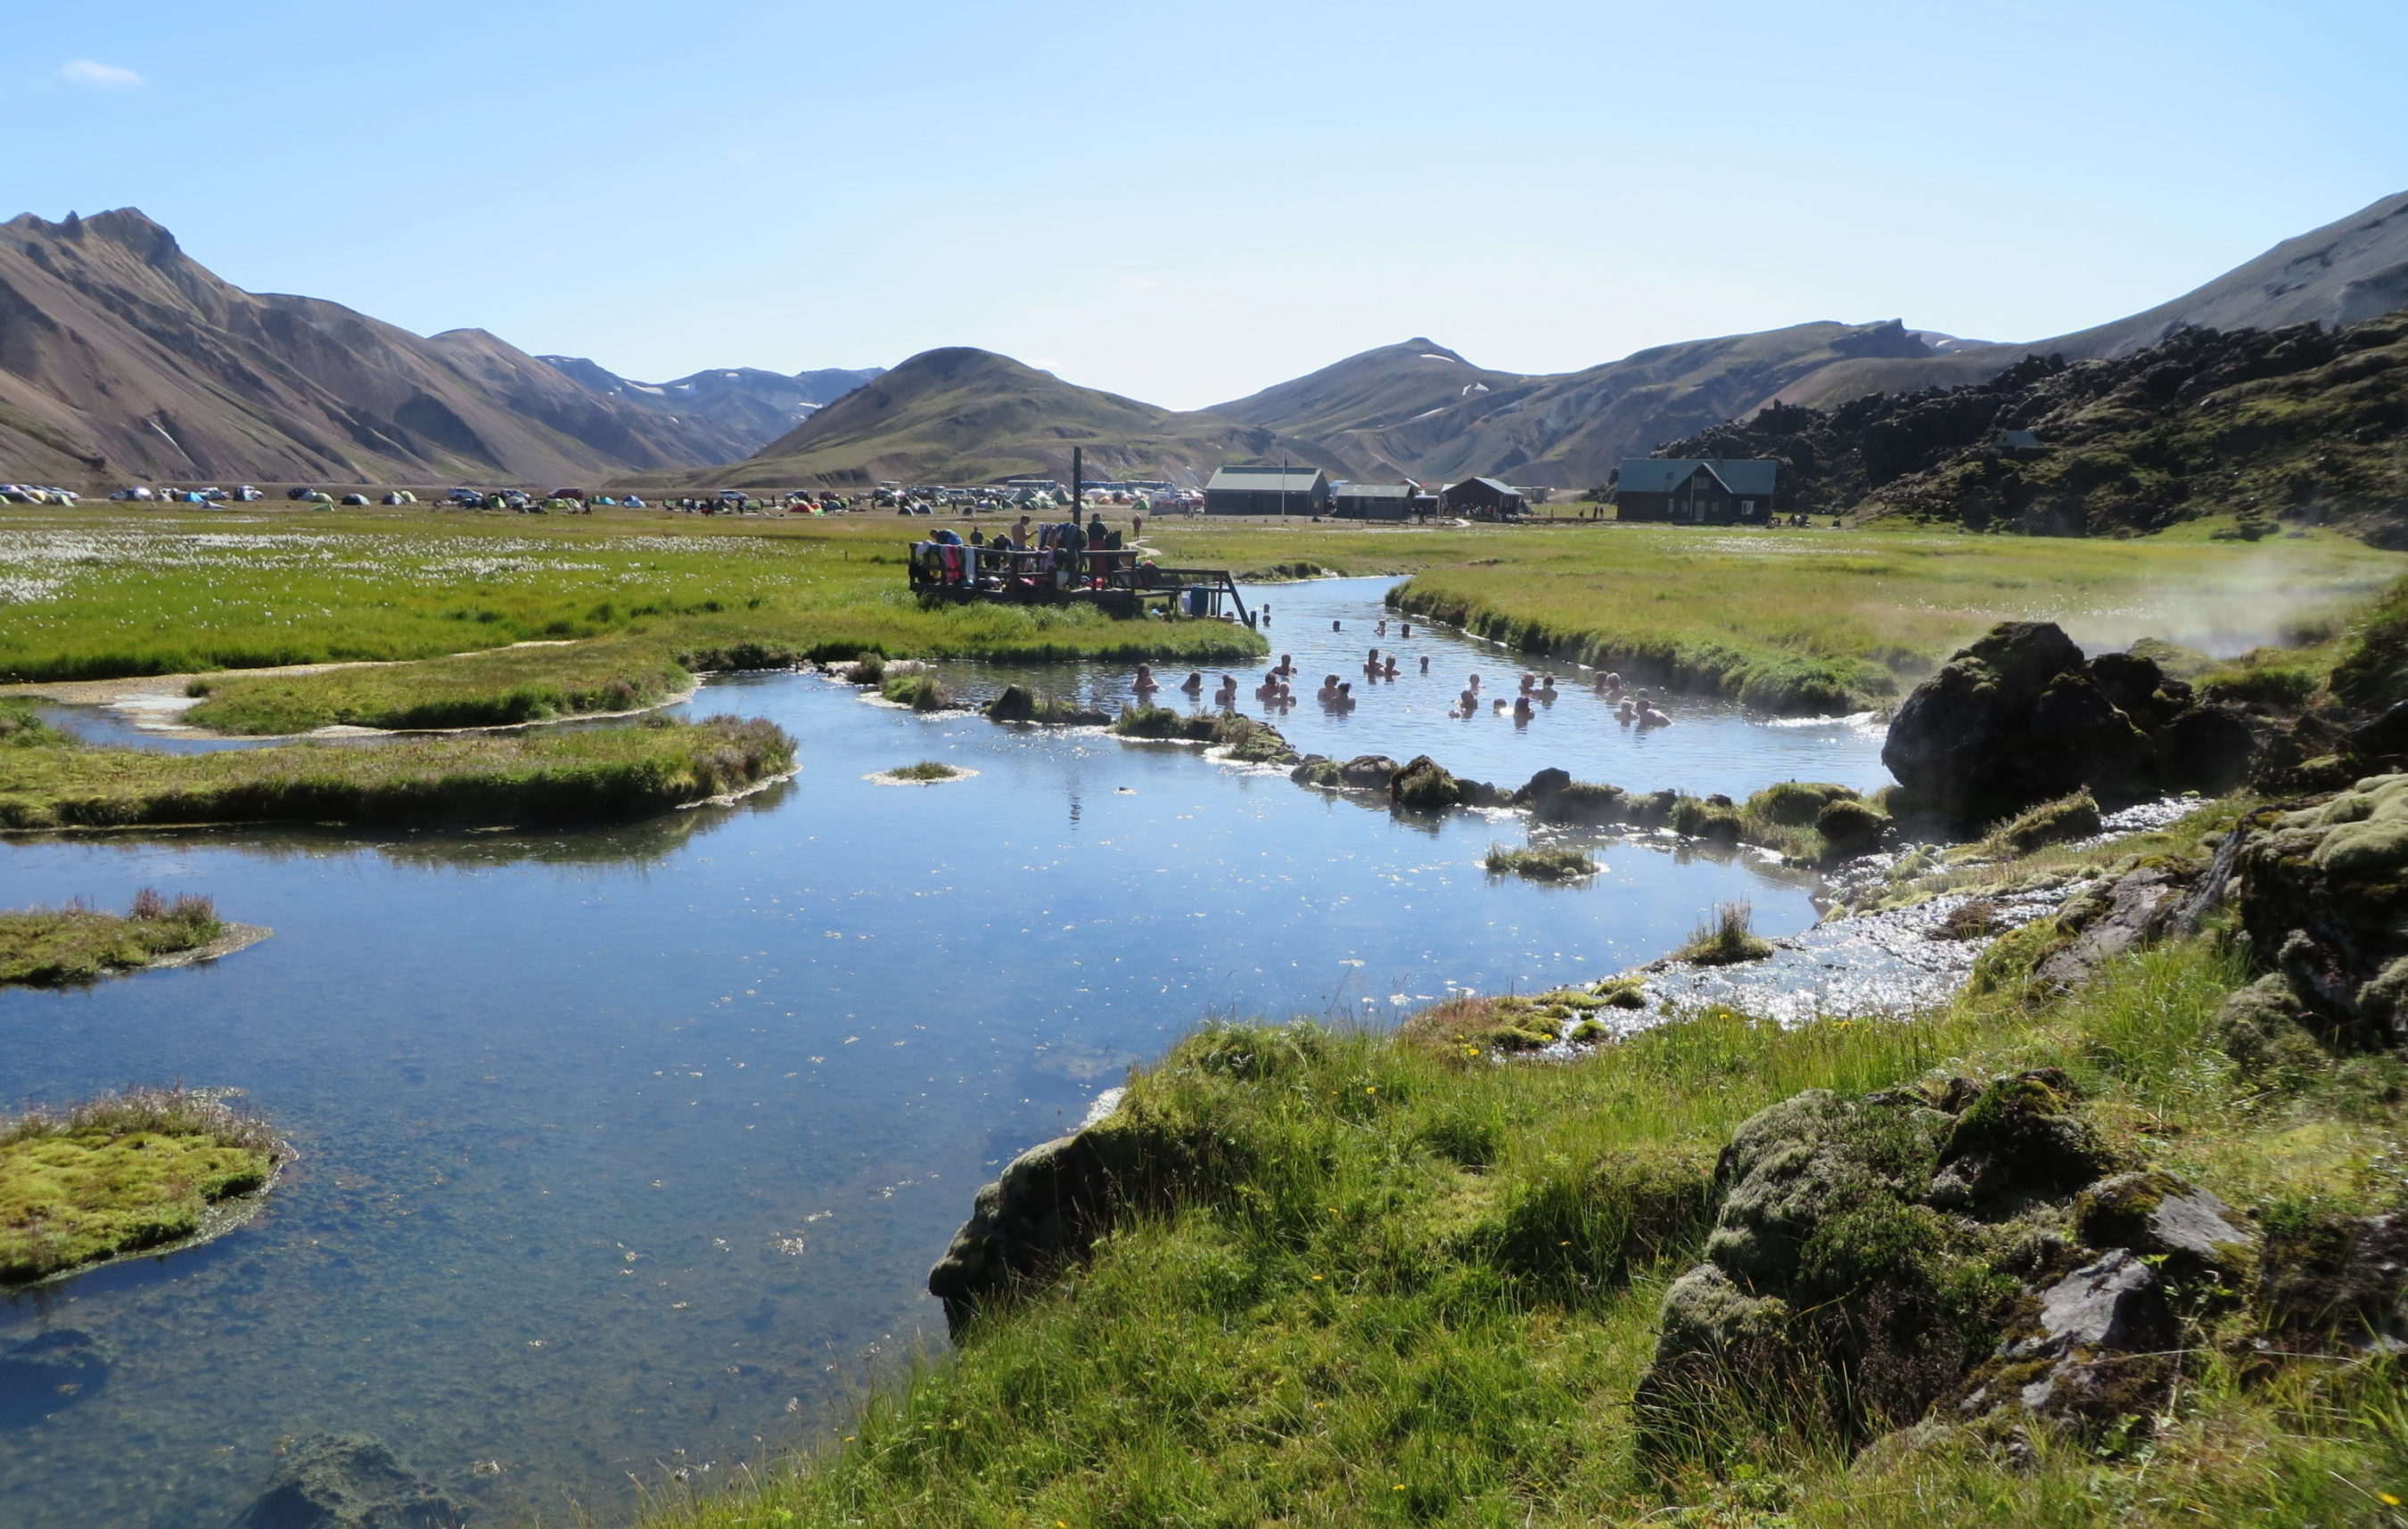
{"x": 122, "y": 357}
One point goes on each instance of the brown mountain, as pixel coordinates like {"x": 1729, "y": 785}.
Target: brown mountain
{"x": 2349, "y": 270}
{"x": 122, "y": 357}
{"x": 1423, "y": 411}
{"x": 962, "y": 415}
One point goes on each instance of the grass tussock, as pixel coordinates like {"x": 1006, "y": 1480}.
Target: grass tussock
{"x": 47, "y": 947}
{"x": 1539, "y": 863}
{"x": 503, "y": 688}
{"x": 523, "y": 778}
{"x": 927, "y": 769}
{"x": 920, "y": 690}
{"x": 1381, "y": 1279}
{"x": 119, "y": 1173}
{"x": 1726, "y": 939}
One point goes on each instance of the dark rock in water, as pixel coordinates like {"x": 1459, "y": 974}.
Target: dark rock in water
{"x": 2343, "y": 1278}
{"x": 47, "y": 1375}
{"x": 2020, "y": 717}
{"x": 1046, "y": 1207}
{"x": 346, "y": 1481}
{"x": 1018, "y": 704}
{"x": 1318, "y": 770}
{"x": 1368, "y": 772}
{"x": 1424, "y": 786}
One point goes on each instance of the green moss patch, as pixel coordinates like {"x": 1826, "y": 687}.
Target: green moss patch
{"x": 119, "y": 1174}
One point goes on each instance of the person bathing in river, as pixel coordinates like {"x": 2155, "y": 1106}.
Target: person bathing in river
{"x": 1371, "y": 664}
{"x": 1466, "y": 704}
{"x": 1227, "y": 697}
{"x": 1268, "y": 690}
{"x": 1328, "y": 691}
{"x": 1345, "y": 701}
{"x": 1547, "y": 690}
{"x": 1650, "y": 717}
{"x": 1407, "y": 630}
{"x": 1384, "y": 629}
{"x": 1388, "y": 670}
{"x": 1425, "y": 663}
{"x": 1628, "y": 712}
{"x": 1192, "y": 684}
{"x": 1144, "y": 685}
{"x": 1523, "y": 711}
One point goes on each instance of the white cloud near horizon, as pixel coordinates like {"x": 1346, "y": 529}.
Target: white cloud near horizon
{"x": 110, "y": 77}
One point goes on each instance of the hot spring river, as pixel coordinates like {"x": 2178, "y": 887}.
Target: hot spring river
{"x": 626, "y": 1150}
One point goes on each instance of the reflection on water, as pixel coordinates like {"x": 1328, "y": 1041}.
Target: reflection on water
{"x": 626, "y": 1150}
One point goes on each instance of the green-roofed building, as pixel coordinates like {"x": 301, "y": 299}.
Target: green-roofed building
{"x": 1695, "y": 492}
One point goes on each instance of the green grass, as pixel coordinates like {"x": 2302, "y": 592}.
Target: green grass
{"x": 1726, "y": 939}
{"x": 1539, "y": 862}
{"x": 1369, "y": 1280}
{"x": 500, "y": 687}
{"x": 103, "y": 592}
{"x": 46, "y": 947}
{"x": 927, "y": 769}
{"x": 548, "y": 777}
{"x": 120, "y": 1174}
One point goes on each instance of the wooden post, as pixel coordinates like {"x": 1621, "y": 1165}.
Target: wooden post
{"x": 1077, "y": 481}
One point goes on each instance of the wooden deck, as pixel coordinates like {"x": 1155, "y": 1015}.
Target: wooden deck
{"x": 1118, "y": 583}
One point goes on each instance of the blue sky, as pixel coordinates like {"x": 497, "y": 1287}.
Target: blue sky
{"x": 1186, "y": 202}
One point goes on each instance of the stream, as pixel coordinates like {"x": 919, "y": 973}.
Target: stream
{"x": 625, "y": 1151}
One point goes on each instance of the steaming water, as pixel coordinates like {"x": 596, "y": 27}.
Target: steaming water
{"x": 626, "y": 1150}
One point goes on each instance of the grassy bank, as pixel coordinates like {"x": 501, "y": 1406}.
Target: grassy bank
{"x": 1379, "y": 1278}
{"x": 48, "y": 946}
{"x": 1377, "y": 1284}
{"x": 495, "y": 689}
{"x": 528, "y": 778}
{"x": 118, "y": 1175}
{"x": 1800, "y": 622}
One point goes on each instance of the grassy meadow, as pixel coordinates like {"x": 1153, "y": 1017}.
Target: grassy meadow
{"x": 118, "y": 1175}
{"x": 96, "y": 594}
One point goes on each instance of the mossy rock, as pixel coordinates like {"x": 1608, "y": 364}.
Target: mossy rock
{"x": 2067, "y": 819}
{"x": 1424, "y": 786}
{"x": 1796, "y": 804}
{"x": 2019, "y": 1137}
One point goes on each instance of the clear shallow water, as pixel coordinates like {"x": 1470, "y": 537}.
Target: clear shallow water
{"x": 1713, "y": 746}
{"x": 628, "y": 1150}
